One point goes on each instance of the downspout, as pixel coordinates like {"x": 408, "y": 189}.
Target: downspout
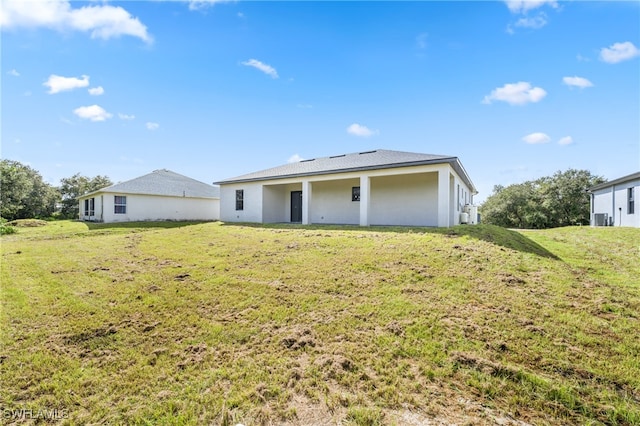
{"x": 613, "y": 204}
{"x": 620, "y": 216}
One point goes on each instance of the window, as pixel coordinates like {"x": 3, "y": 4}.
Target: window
{"x": 86, "y": 207}
{"x": 120, "y": 204}
{"x": 630, "y": 201}
{"x": 355, "y": 193}
{"x": 240, "y": 199}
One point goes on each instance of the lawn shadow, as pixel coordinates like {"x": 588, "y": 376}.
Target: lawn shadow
{"x": 503, "y": 237}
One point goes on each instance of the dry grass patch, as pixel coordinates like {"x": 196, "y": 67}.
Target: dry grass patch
{"x": 215, "y": 323}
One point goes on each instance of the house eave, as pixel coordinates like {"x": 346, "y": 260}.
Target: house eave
{"x": 101, "y": 191}
{"x": 623, "y": 179}
{"x": 453, "y": 161}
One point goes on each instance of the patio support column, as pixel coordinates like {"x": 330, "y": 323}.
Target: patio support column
{"x": 365, "y": 199}
{"x": 443, "y": 197}
{"x": 306, "y": 202}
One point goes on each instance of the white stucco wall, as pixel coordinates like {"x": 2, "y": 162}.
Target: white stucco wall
{"x": 252, "y": 211}
{"x": 332, "y": 202}
{"x": 613, "y": 200}
{"x": 405, "y": 200}
{"x": 153, "y": 208}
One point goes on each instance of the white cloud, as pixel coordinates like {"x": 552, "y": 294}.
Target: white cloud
{"x": 267, "y": 69}
{"x": 516, "y": 94}
{"x": 122, "y": 116}
{"x": 14, "y": 73}
{"x": 152, "y": 126}
{"x": 567, "y": 140}
{"x": 577, "y": 82}
{"x": 295, "y": 158}
{"x": 101, "y": 21}
{"x": 57, "y": 83}
{"x": 201, "y": 4}
{"x": 536, "y": 22}
{"x": 96, "y": 91}
{"x": 93, "y": 113}
{"x": 523, "y": 6}
{"x": 362, "y": 131}
{"x": 536, "y": 138}
{"x": 619, "y": 52}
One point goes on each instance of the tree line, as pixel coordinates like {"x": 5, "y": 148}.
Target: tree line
{"x": 25, "y": 195}
{"x": 547, "y": 202}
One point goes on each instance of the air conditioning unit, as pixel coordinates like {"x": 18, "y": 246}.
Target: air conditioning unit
{"x": 601, "y": 219}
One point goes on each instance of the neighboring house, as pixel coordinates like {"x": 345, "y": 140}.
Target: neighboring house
{"x": 367, "y": 188}
{"x": 160, "y": 195}
{"x": 613, "y": 203}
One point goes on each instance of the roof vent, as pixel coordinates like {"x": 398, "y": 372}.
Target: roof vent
{"x": 368, "y": 152}
{"x": 337, "y": 156}
{"x": 305, "y": 161}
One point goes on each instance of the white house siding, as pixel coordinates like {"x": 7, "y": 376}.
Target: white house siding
{"x": 398, "y": 196}
{"x": 153, "y": 208}
{"x": 613, "y": 200}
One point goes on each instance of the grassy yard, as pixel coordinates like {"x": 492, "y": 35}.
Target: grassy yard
{"x": 212, "y": 323}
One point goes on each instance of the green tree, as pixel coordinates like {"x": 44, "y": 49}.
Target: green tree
{"x": 513, "y": 206}
{"x": 558, "y": 200}
{"x": 73, "y": 187}
{"x": 24, "y": 194}
{"x": 564, "y": 196}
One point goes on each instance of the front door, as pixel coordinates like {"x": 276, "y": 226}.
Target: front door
{"x": 296, "y": 206}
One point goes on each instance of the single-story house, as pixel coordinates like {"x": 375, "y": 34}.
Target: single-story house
{"x": 160, "y": 195}
{"x": 379, "y": 187}
{"x": 613, "y": 202}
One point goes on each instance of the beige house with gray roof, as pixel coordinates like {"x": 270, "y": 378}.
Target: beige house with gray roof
{"x": 379, "y": 187}
{"x": 160, "y": 195}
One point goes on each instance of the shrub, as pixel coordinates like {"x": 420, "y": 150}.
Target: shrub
{"x": 5, "y": 228}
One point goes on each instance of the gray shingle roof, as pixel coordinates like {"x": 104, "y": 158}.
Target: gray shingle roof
{"x": 166, "y": 183}
{"x": 367, "y": 160}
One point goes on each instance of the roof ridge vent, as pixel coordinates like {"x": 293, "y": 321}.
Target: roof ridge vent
{"x": 310, "y": 159}
{"x": 368, "y": 152}
{"x": 338, "y": 156}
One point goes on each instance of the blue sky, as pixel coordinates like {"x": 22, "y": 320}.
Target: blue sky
{"x": 517, "y": 90}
